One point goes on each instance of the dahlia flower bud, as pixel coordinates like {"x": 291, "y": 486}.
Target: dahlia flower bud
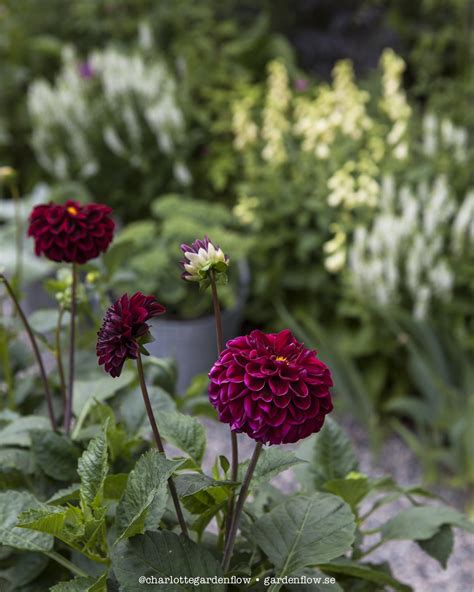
{"x": 125, "y": 330}
{"x": 200, "y": 259}
{"x": 71, "y": 232}
{"x": 7, "y": 174}
{"x": 271, "y": 387}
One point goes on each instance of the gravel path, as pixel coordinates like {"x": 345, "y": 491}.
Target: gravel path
{"x": 408, "y": 562}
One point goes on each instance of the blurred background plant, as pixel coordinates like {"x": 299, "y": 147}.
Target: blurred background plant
{"x": 328, "y": 143}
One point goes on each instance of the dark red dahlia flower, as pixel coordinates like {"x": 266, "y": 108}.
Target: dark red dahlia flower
{"x": 71, "y": 232}
{"x": 125, "y": 322}
{"x": 270, "y": 387}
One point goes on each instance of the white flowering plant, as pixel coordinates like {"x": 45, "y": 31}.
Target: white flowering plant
{"x": 358, "y": 206}
{"x": 113, "y": 121}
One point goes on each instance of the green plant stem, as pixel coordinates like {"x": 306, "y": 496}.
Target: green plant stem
{"x": 229, "y": 547}
{"x": 19, "y": 236}
{"x": 233, "y": 436}
{"x": 59, "y": 357}
{"x": 34, "y": 345}
{"x": 72, "y": 346}
{"x": 6, "y": 363}
{"x": 159, "y": 443}
{"x": 66, "y": 563}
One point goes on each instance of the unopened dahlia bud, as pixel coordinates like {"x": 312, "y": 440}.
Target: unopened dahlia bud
{"x": 271, "y": 387}
{"x": 7, "y": 174}
{"x": 200, "y": 259}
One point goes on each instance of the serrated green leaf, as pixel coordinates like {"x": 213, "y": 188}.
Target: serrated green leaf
{"x": 67, "y": 494}
{"x": 114, "y": 485}
{"x": 305, "y": 531}
{"x": 146, "y": 490}
{"x": 92, "y": 469}
{"x": 13, "y": 503}
{"x": 65, "y": 524}
{"x": 271, "y": 462}
{"x": 191, "y": 483}
{"x": 164, "y": 554}
{"x": 184, "y": 432}
{"x": 332, "y": 456}
{"x": 364, "y": 571}
{"x": 82, "y": 585}
{"x": 55, "y": 454}
{"x": 440, "y": 545}
{"x": 352, "y": 489}
{"x": 423, "y": 522}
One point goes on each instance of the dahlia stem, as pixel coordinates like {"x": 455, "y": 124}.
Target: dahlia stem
{"x": 59, "y": 357}
{"x": 229, "y": 547}
{"x": 72, "y": 346}
{"x": 19, "y": 236}
{"x": 233, "y": 437}
{"x": 159, "y": 443}
{"x": 34, "y": 345}
{"x": 6, "y": 363}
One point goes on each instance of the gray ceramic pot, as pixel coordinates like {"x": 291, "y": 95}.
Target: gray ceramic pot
{"x": 192, "y": 343}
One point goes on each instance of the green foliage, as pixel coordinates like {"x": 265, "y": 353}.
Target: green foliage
{"x": 163, "y": 554}
{"x": 120, "y": 520}
{"x": 184, "y": 432}
{"x": 153, "y": 254}
{"x": 144, "y": 499}
{"x": 305, "y": 532}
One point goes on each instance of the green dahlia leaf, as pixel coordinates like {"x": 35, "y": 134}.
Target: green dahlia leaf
{"x": 13, "y": 503}
{"x": 305, "y": 531}
{"x": 423, "y": 522}
{"x": 440, "y": 545}
{"x": 92, "y": 469}
{"x": 330, "y": 456}
{"x": 352, "y": 489}
{"x": 271, "y": 462}
{"x": 163, "y": 554}
{"x": 82, "y": 585}
{"x": 55, "y": 454}
{"x": 144, "y": 499}
{"x": 184, "y": 432}
{"x": 365, "y": 571}
{"x": 17, "y": 433}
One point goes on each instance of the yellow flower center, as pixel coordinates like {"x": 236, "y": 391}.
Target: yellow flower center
{"x": 72, "y": 210}
{"x": 281, "y": 359}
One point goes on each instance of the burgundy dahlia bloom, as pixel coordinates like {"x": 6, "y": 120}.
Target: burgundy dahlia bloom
{"x": 270, "y": 387}
{"x": 125, "y": 324}
{"x": 71, "y": 232}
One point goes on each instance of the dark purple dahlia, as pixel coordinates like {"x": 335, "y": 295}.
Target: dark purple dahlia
{"x": 71, "y": 232}
{"x": 125, "y": 322}
{"x": 271, "y": 387}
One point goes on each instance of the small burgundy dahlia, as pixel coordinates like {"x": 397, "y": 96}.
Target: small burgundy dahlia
{"x": 71, "y": 232}
{"x": 270, "y": 387}
{"x": 125, "y": 322}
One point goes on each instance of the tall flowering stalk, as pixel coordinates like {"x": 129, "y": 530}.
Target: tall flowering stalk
{"x": 207, "y": 264}
{"x": 73, "y": 233}
{"x": 275, "y": 390}
{"x": 123, "y": 333}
